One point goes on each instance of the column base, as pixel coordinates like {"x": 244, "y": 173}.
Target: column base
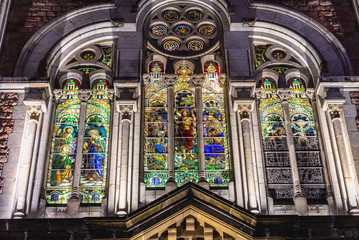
{"x": 203, "y": 183}
{"x": 19, "y": 215}
{"x": 121, "y": 213}
{"x": 170, "y": 185}
{"x": 301, "y": 205}
{"x": 73, "y": 206}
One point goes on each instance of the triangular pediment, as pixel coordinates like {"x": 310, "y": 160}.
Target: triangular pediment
{"x": 187, "y": 212}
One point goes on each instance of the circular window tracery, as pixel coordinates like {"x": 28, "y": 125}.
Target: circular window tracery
{"x": 159, "y": 30}
{"x": 183, "y": 31}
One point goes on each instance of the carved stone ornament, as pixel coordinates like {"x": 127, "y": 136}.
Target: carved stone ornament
{"x": 222, "y": 78}
{"x": 34, "y": 112}
{"x": 57, "y": 94}
{"x": 284, "y": 94}
{"x": 244, "y": 111}
{"x": 126, "y": 109}
{"x": 258, "y": 92}
{"x": 198, "y": 80}
{"x": 110, "y": 94}
{"x": 310, "y": 93}
{"x": 146, "y": 78}
{"x": 335, "y": 110}
{"x": 170, "y": 79}
{"x": 84, "y": 95}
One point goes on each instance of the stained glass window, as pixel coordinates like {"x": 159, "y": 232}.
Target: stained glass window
{"x": 306, "y": 142}
{"x": 63, "y": 147}
{"x": 186, "y": 148}
{"x": 95, "y": 150}
{"x": 276, "y": 155}
{"x": 156, "y": 135}
{"x": 214, "y": 128}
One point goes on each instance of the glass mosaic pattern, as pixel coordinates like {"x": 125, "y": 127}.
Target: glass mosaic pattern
{"x": 215, "y": 130}
{"x": 183, "y": 30}
{"x": 159, "y": 30}
{"x": 207, "y": 30}
{"x": 95, "y": 149}
{"x": 171, "y": 45}
{"x": 186, "y": 142}
{"x": 170, "y": 15}
{"x": 195, "y": 45}
{"x": 194, "y": 15}
{"x": 63, "y": 147}
{"x": 306, "y": 141}
{"x": 278, "y": 169}
{"x": 156, "y": 135}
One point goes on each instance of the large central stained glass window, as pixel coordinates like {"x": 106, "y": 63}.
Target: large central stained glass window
{"x": 186, "y": 160}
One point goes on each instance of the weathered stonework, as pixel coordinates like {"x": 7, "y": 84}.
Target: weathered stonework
{"x": 355, "y": 100}
{"x": 27, "y": 18}
{"x": 7, "y": 103}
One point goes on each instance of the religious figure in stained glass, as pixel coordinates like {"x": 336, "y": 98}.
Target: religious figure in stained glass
{"x": 64, "y": 143}
{"x": 95, "y": 148}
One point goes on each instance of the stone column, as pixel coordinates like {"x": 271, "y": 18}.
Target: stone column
{"x": 198, "y": 82}
{"x": 336, "y": 111}
{"x": 34, "y": 110}
{"x": 126, "y": 109}
{"x": 74, "y": 202}
{"x": 330, "y": 197}
{"x": 171, "y": 184}
{"x": 246, "y": 122}
{"x": 300, "y": 201}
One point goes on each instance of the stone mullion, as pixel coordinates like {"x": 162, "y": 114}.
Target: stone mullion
{"x": 198, "y": 80}
{"x": 126, "y": 110}
{"x": 335, "y": 111}
{"x": 328, "y": 185}
{"x": 246, "y": 122}
{"x": 74, "y": 202}
{"x": 299, "y": 200}
{"x": 34, "y": 111}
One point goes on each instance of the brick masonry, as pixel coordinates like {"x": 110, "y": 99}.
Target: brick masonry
{"x": 7, "y": 103}
{"x": 337, "y": 16}
{"x": 26, "y": 19}
{"x": 355, "y": 100}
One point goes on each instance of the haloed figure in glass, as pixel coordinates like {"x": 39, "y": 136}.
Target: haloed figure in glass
{"x": 95, "y": 146}
{"x": 186, "y": 130}
{"x": 63, "y": 165}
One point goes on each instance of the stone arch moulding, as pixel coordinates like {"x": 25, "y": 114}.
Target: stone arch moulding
{"x": 49, "y": 40}
{"x": 144, "y": 8}
{"x": 304, "y": 36}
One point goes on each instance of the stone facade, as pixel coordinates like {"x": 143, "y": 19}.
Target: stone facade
{"x": 7, "y": 102}
{"x": 79, "y": 146}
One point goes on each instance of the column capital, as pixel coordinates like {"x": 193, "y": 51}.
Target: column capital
{"x": 222, "y": 78}
{"x": 126, "y": 108}
{"x": 57, "y": 94}
{"x": 335, "y": 110}
{"x": 198, "y": 79}
{"x": 84, "y": 95}
{"x": 243, "y": 105}
{"x": 310, "y": 93}
{"x": 146, "y": 78}
{"x": 284, "y": 94}
{"x": 170, "y": 79}
{"x": 35, "y": 108}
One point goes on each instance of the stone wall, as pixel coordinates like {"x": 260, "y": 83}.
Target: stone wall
{"x": 27, "y": 17}
{"x": 355, "y": 100}
{"x": 7, "y": 103}
{"x": 337, "y": 16}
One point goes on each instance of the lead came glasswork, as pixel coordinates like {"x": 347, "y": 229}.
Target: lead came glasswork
{"x": 207, "y": 30}
{"x": 156, "y": 134}
{"x": 63, "y": 148}
{"x": 278, "y": 169}
{"x": 194, "y": 15}
{"x": 215, "y": 129}
{"x": 170, "y": 15}
{"x": 186, "y": 149}
{"x": 95, "y": 149}
{"x": 171, "y": 45}
{"x": 306, "y": 142}
{"x": 159, "y": 30}
{"x": 183, "y": 29}
{"x": 195, "y": 45}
